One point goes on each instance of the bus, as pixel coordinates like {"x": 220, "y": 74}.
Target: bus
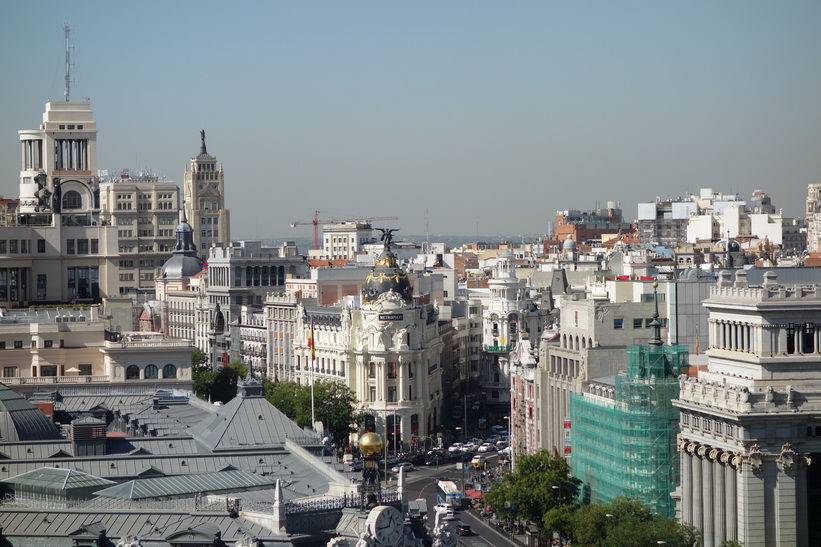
{"x": 447, "y": 492}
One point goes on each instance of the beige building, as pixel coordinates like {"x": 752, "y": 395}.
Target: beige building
{"x": 49, "y": 348}
{"x": 145, "y": 211}
{"x": 204, "y": 191}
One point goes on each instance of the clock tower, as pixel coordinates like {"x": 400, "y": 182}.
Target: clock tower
{"x": 204, "y": 188}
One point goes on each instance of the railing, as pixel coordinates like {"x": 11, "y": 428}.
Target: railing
{"x": 20, "y": 380}
{"x": 155, "y": 343}
{"x": 114, "y": 504}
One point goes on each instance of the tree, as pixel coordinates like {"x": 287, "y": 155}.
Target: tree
{"x": 626, "y": 522}
{"x": 219, "y": 385}
{"x": 541, "y": 482}
{"x": 334, "y": 405}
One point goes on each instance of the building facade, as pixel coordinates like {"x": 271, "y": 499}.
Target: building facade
{"x": 750, "y": 422}
{"x": 204, "y": 192}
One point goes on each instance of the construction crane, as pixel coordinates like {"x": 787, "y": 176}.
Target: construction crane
{"x": 316, "y": 222}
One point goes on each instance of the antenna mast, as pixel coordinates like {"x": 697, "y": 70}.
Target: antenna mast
{"x": 67, "y": 31}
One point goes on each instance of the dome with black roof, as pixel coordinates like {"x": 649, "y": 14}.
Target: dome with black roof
{"x": 184, "y": 261}
{"x": 387, "y": 281}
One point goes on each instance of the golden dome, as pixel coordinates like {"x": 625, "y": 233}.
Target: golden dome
{"x": 370, "y": 444}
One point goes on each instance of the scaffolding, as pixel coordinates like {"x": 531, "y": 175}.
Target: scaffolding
{"x": 626, "y": 445}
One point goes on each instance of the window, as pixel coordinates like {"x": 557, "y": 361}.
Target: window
{"x": 95, "y": 246}
{"x": 13, "y": 246}
{"x": 42, "y": 284}
{"x": 41, "y": 245}
{"x": 70, "y": 247}
{"x": 82, "y": 246}
{"x": 637, "y": 323}
{"x": 3, "y": 345}
{"x": 169, "y": 371}
{"x": 132, "y": 372}
{"x": 392, "y": 370}
{"x": 72, "y": 200}
{"x": 18, "y": 344}
{"x": 48, "y": 343}
{"x": 618, "y": 322}
{"x": 372, "y": 394}
{"x": 151, "y": 372}
{"x": 9, "y": 372}
{"x": 392, "y": 394}
{"x": 3, "y": 246}
{"x": 48, "y": 370}
{"x": 85, "y": 370}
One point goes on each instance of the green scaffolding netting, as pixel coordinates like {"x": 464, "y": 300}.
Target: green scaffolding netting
{"x": 627, "y": 446}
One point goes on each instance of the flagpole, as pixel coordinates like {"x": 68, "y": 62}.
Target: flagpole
{"x": 313, "y": 359}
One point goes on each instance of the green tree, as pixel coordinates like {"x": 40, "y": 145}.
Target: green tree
{"x": 219, "y": 385}
{"x": 541, "y": 482}
{"x": 627, "y": 522}
{"x": 334, "y": 405}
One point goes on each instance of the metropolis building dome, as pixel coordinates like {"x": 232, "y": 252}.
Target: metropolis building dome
{"x": 184, "y": 261}
{"x": 387, "y": 278}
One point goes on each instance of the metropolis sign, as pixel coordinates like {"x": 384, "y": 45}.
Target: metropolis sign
{"x": 391, "y": 316}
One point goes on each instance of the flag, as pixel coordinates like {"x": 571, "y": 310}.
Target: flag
{"x": 697, "y": 344}
{"x": 311, "y": 342}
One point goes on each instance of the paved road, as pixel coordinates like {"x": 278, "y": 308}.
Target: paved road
{"x": 421, "y": 484}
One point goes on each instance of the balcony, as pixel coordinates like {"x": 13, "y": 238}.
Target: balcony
{"x": 85, "y": 379}
{"x": 507, "y": 348}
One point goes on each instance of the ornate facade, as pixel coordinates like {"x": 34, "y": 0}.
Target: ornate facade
{"x": 751, "y": 423}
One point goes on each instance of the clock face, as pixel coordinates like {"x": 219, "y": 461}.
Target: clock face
{"x": 386, "y": 524}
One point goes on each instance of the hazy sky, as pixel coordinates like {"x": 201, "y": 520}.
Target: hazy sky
{"x": 465, "y": 113}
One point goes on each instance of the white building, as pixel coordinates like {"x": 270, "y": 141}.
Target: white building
{"x": 751, "y": 423}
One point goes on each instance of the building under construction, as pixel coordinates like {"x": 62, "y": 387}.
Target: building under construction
{"x": 624, "y": 429}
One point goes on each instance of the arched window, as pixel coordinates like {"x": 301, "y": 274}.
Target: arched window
{"x": 132, "y": 372}
{"x": 169, "y": 371}
{"x": 150, "y": 372}
{"x": 72, "y": 200}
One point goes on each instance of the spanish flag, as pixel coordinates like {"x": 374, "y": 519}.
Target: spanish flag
{"x": 311, "y": 342}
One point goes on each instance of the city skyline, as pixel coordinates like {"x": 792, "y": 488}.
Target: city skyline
{"x": 459, "y": 118}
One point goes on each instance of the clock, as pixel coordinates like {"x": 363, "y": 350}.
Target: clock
{"x": 386, "y": 525}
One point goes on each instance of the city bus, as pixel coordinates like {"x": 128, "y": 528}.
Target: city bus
{"x": 447, "y": 492}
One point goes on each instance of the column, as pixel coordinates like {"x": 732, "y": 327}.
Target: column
{"x": 750, "y": 503}
{"x": 731, "y": 514}
{"x": 698, "y": 509}
{"x": 686, "y": 487}
{"x": 719, "y": 520}
{"x": 802, "y": 531}
{"x": 707, "y": 495}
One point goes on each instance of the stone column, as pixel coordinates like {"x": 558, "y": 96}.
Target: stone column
{"x": 730, "y": 512}
{"x": 750, "y": 500}
{"x": 706, "y": 495}
{"x": 802, "y": 529}
{"x": 785, "y": 497}
{"x": 686, "y": 484}
{"x": 698, "y": 508}
{"x": 719, "y": 516}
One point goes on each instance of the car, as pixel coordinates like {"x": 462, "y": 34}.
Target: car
{"x": 444, "y": 509}
{"x": 477, "y": 460}
{"x": 464, "y": 530}
{"x": 476, "y": 406}
{"x": 357, "y": 465}
{"x": 407, "y": 466}
{"x": 417, "y": 459}
{"x": 455, "y": 448}
{"x": 487, "y": 447}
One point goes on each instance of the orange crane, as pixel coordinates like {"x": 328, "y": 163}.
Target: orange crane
{"x": 316, "y": 222}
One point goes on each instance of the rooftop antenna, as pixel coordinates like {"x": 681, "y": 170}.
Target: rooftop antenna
{"x": 67, "y": 31}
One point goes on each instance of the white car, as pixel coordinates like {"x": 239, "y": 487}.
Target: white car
{"x": 408, "y": 466}
{"x": 455, "y": 448}
{"x": 487, "y": 447}
{"x": 445, "y": 510}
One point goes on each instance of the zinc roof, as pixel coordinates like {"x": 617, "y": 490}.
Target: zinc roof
{"x": 57, "y": 479}
{"x": 181, "y": 485}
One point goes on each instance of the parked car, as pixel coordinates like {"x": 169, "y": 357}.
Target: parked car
{"x": 417, "y": 459}
{"x": 464, "y": 530}
{"x": 407, "y": 466}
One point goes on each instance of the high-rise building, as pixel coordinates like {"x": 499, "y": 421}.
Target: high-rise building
{"x": 55, "y": 248}
{"x": 204, "y": 191}
{"x": 145, "y": 211}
